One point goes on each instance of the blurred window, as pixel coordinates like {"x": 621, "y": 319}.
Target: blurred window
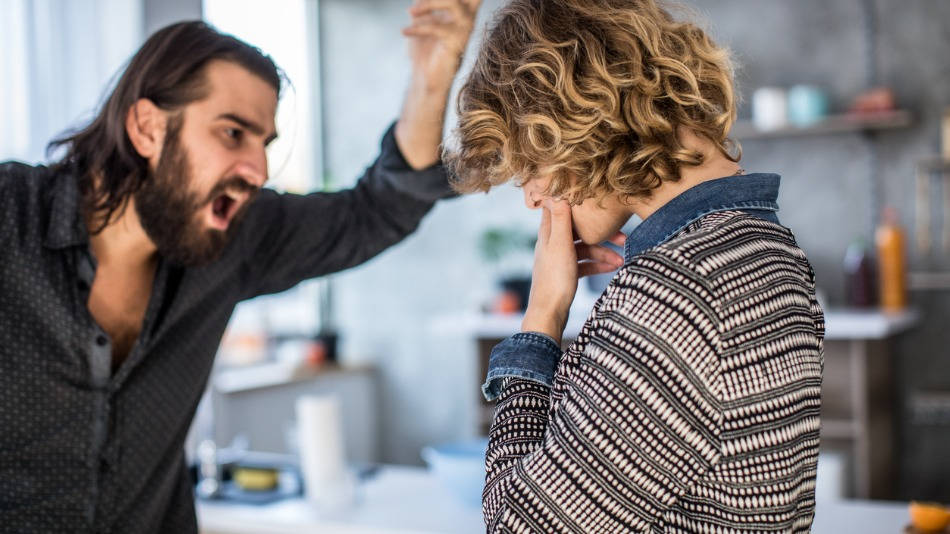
{"x": 286, "y": 30}
{"x": 57, "y": 60}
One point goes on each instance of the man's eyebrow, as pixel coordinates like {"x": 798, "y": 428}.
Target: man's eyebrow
{"x": 250, "y": 125}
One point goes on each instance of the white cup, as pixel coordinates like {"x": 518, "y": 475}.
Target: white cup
{"x": 328, "y": 484}
{"x": 770, "y": 108}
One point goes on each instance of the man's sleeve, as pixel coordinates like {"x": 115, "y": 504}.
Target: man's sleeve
{"x": 288, "y": 238}
{"x": 7, "y": 202}
{"x": 630, "y": 431}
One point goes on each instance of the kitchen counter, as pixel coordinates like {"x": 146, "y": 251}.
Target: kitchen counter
{"x": 408, "y": 500}
{"x": 397, "y": 500}
{"x": 840, "y": 324}
{"x": 865, "y": 517}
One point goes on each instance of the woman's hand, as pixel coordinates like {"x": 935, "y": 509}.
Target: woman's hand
{"x": 559, "y": 261}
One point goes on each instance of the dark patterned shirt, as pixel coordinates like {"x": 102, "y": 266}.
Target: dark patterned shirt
{"x": 689, "y": 401}
{"x": 83, "y": 449}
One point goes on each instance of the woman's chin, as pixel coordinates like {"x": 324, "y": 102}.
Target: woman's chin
{"x": 589, "y": 237}
{"x": 602, "y": 226}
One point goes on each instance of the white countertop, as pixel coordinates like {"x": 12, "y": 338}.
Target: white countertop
{"x": 866, "y": 517}
{"x": 407, "y": 500}
{"x": 840, "y": 324}
{"x": 275, "y": 373}
{"x": 399, "y": 499}
{"x": 868, "y": 324}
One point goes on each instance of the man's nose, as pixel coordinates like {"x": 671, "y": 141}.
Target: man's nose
{"x": 254, "y": 169}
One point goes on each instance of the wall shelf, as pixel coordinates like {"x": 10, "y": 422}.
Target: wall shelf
{"x": 928, "y": 281}
{"x": 833, "y": 124}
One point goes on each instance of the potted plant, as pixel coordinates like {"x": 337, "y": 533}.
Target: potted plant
{"x": 511, "y": 251}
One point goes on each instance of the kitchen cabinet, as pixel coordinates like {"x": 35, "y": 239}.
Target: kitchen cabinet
{"x": 258, "y": 402}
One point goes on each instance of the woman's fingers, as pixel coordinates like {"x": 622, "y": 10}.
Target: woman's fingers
{"x": 544, "y": 229}
{"x": 598, "y": 253}
{"x": 554, "y": 277}
{"x": 618, "y": 239}
{"x": 562, "y": 227}
{"x": 587, "y": 268}
{"x": 597, "y": 259}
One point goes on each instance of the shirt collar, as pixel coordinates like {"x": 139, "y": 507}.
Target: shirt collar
{"x": 757, "y": 191}
{"x": 65, "y": 226}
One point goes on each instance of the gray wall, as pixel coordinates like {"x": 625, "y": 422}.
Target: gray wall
{"x": 828, "y": 194}
{"x": 385, "y": 308}
{"x": 828, "y": 191}
{"x": 829, "y": 181}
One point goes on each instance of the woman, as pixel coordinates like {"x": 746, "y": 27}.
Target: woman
{"x": 689, "y": 401}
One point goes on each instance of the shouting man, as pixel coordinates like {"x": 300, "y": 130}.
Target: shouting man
{"x": 121, "y": 263}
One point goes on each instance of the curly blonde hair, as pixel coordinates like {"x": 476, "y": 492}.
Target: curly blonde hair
{"x": 591, "y": 93}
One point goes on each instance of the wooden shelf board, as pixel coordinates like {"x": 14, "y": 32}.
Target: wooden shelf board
{"x": 839, "y": 324}
{"x": 833, "y": 124}
{"x": 928, "y": 281}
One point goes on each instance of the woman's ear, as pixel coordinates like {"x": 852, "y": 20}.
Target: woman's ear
{"x": 145, "y": 125}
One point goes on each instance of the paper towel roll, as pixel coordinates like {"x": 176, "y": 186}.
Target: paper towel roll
{"x": 322, "y": 458}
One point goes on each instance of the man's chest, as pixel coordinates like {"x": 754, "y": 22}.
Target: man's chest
{"x": 61, "y": 311}
{"x": 118, "y": 302}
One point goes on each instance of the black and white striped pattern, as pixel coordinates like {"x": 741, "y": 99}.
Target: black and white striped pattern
{"x": 689, "y": 401}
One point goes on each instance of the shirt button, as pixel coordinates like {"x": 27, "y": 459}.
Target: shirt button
{"x": 101, "y": 340}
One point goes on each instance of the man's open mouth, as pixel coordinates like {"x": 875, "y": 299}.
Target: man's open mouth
{"x": 225, "y": 206}
{"x": 222, "y": 206}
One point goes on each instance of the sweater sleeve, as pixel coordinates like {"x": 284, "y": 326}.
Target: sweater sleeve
{"x": 635, "y": 422}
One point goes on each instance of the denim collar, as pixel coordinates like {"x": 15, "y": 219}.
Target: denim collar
{"x": 754, "y": 193}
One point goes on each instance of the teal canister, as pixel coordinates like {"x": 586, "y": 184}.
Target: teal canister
{"x": 807, "y": 105}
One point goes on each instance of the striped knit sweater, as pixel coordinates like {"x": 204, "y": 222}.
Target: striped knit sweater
{"x": 689, "y": 402}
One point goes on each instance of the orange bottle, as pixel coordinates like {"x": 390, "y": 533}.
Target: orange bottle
{"x": 891, "y": 264}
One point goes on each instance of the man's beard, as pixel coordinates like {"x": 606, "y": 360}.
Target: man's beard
{"x": 170, "y": 212}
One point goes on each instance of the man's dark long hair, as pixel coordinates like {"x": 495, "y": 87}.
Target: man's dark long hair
{"x": 169, "y": 71}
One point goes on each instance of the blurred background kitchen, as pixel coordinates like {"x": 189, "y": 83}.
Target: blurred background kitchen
{"x": 848, "y": 100}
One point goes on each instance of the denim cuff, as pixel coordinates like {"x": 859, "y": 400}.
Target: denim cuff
{"x": 529, "y": 355}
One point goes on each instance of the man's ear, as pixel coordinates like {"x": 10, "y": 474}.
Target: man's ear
{"x": 145, "y": 125}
